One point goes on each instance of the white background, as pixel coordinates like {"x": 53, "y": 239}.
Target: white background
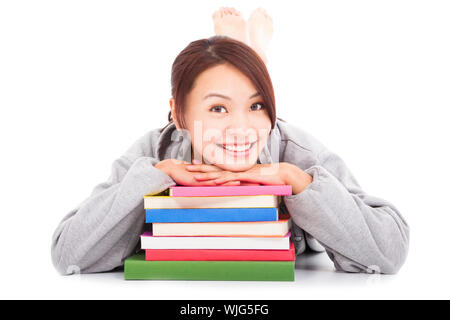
{"x": 80, "y": 81}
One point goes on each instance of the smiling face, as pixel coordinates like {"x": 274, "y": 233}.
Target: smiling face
{"x": 226, "y": 119}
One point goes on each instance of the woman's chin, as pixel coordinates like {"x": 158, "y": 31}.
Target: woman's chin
{"x": 232, "y": 163}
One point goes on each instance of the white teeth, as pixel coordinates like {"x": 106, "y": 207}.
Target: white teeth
{"x": 238, "y": 148}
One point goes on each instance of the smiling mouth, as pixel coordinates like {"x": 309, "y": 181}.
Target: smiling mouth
{"x": 236, "y": 147}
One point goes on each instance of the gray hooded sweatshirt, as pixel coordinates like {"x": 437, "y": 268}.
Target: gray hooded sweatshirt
{"x": 359, "y": 232}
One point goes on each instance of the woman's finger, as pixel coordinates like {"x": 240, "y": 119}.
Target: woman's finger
{"x": 231, "y": 183}
{"x": 202, "y": 183}
{"x": 244, "y": 177}
{"x": 205, "y": 183}
{"x": 222, "y": 180}
{"x": 208, "y": 175}
{"x": 230, "y": 176}
{"x": 202, "y": 168}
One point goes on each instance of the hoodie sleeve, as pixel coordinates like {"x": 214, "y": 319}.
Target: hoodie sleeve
{"x": 360, "y": 232}
{"x": 105, "y": 228}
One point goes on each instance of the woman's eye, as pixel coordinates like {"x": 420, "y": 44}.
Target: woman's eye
{"x": 218, "y": 109}
{"x": 258, "y": 105}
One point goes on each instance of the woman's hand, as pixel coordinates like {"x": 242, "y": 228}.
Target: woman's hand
{"x": 258, "y": 174}
{"x": 176, "y": 169}
{"x": 282, "y": 173}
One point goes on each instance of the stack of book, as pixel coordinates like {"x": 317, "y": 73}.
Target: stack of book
{"x": 215, "y": 233}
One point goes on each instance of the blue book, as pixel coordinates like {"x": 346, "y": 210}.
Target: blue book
{"x": 211, "y": 215}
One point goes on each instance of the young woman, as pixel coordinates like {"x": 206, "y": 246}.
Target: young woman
{"x": 223, "y": 118}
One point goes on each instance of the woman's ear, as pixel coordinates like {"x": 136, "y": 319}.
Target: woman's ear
{"x": 174, "y": 115}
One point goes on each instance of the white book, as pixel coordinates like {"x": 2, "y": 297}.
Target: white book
{"x": 167, "y": 202}
{"x": 232, "y": 229}
{"x": 148, "y": 241}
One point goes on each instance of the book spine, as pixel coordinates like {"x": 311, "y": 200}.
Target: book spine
{"x": 166, "y": 202}
{"x": 139, "y": 269}
{"x": 219, "y": 255}
{"x": 149, "y": 241}
{"x": 206, "y": 191}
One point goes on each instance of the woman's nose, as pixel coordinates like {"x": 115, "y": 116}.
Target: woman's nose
{"x": 240, "y": 120}
{"x": 240, "y": 129}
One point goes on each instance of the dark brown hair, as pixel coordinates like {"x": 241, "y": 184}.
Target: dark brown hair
{"x": 202, "y": 54}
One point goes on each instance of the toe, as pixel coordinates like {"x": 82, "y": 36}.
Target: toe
{"x": 234, "y": 11}
{"x": 222, "y": 12}
{"x": 256, "y": 12}
{"x": 264, "y": 12}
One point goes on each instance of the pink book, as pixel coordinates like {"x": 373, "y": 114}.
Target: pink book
{"x": 216, "y": 191}
{"x": 220, "y": 254}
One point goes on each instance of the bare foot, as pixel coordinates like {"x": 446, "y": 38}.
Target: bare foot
{"x": 260, "y": 31}
{"x": 229, "y": 22}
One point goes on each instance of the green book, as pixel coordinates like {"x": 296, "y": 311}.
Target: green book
{"x": 137, "y": 268}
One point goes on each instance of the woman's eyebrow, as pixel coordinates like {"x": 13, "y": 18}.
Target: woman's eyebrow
{"x": 225, "y": 97}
